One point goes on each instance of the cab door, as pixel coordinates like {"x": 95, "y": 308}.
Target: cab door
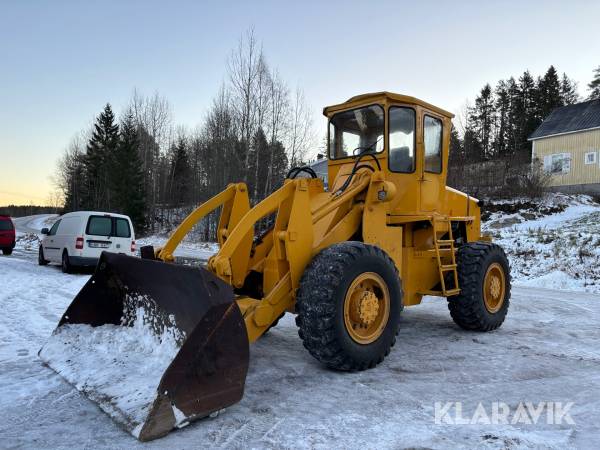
{"x": 432, "y": 181}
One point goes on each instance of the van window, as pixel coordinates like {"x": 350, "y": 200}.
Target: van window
{"x": 122, "y": 228}
{"x": 52, "y": 231}
{"x": 68, "y": 226}
{"x": 99, "y": 226}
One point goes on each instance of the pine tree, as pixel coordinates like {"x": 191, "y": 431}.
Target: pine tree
{"x": 100, "y": 150}
{"x": 568, "y": 90}
{"x": 594, "y": 86}
{"x": 127, "y": 177}
{"x": 515, "y": 115}
{"x": 456, "y": 155}
{"x": 548, "y": 93}
{"x": 473, "y": 149}
{"x": 278, "y": 166}
{"x": 502, "y": 107}
{"x": 75, "y": 183}
{"x": 531, "y": 120}
{"x": 259, "y": 163}
{"x": 482, "y": 117}
{"x": 180, "y": 174}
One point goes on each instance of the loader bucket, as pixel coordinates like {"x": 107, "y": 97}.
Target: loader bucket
{"x": 155, "y": 345}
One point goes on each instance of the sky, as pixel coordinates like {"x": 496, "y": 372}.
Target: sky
{"x": 62, "y": 61}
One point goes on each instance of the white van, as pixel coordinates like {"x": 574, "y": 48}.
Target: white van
{"x": 78, "y": 238}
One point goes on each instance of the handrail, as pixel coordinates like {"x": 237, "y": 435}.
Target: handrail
{"x": 166, "y": 252}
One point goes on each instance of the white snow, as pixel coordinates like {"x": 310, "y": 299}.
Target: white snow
{"x": 556, "y": 220}
{"x": 557, "y": 251}
{"x": 120, "y": 367}
{"x": 186, "y": 249}
{"x": 547, "y": 350}
{"x": 181, "y": 419}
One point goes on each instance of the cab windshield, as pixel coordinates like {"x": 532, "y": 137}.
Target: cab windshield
{"x": 356, "y": 131}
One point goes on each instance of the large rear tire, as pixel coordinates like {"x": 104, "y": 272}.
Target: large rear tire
{"x": 349, "y": 305}
{"x": 484, "y": 280}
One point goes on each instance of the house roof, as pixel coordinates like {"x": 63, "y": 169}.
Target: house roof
{"x": 568, "y": 119}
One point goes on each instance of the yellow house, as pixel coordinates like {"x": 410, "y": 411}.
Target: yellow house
{"x": 568, "y": 145}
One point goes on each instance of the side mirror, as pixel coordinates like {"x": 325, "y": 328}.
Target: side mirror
{"x": 45, "y": 231}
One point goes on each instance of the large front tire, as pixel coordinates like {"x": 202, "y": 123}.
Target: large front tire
{"x": 349, "y": 305}
{"x": 484, "y": 281}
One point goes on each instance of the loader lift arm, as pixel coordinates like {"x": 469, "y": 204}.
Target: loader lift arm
{"x": 282, "y": 257}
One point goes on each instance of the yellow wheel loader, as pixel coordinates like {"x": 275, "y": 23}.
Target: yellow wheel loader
{"x": 158, "y": 345}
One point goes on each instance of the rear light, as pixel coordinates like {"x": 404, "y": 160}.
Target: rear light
{"x": 79, "y": 243}
{"x": 132, "y": 246}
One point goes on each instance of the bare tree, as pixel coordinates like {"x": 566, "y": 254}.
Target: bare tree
{"x": 154, "y": 120}
{"x": 68, "y": 177}
{"x": 263, "y": 105}
{"x": 245, "y": 66}
{"x": 300, "y": 132}
{"x": 279, "y": 102}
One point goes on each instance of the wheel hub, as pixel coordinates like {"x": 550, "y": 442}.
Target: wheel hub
{"x": 494, "y": 288}
{"x": 366, "y": 308}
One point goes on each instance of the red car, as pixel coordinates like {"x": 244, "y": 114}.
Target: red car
{"x": 7, "y": 235}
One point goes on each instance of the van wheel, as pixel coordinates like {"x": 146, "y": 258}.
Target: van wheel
{"x": 66, "y": 264}
{"x": 41, "y": 260}
{"x": 7, "y": 251}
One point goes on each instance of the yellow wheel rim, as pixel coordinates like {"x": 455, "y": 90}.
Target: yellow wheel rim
{"x": 366, "y": 308}
{"x": 494, "y": 288}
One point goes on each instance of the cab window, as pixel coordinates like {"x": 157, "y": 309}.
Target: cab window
{"x": 402, "y": 139}
{"x": 52, "y": 231}
{"x": 432, "y": 130}
{"x": 356, "y": 131}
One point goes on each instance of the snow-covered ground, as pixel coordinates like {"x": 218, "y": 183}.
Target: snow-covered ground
{"x": 187, "y": 249}
{"x": 547, "y": 351}
{"x": 556, "y": 251}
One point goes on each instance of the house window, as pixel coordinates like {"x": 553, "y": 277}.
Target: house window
{"x": 590, "y": 158}
{"x": 558, "y": 163}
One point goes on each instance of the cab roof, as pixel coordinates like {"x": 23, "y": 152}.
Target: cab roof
{"x": 383, "y": 97}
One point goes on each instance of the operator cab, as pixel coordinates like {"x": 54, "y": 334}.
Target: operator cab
{"x": 407, "y": 136}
